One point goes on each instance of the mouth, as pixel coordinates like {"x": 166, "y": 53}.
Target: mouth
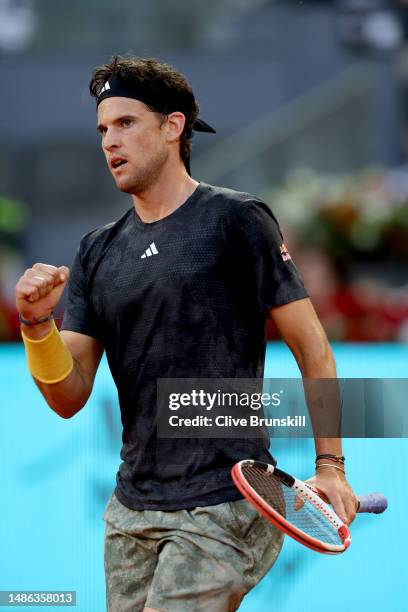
{"x": 117, "y": 162}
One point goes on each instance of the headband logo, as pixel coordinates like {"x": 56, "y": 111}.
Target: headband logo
{"x": 105, "y": 88}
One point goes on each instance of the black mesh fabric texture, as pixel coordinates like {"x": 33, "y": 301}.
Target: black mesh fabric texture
{"x": 183, "y": 297}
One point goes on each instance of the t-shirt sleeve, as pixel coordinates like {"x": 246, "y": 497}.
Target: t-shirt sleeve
{"x": 266, "y": 258}
{"x": 79, "y": 315}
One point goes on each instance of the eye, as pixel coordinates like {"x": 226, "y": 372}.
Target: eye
{"x": 126, "y": 122}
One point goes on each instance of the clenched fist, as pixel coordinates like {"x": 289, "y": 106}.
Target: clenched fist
{"x": 39, "y": 290}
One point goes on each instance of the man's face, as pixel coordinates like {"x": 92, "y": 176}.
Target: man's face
{"x": 134, "y": 142}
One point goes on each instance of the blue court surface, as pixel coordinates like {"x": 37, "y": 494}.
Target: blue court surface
{"x": 57, "y": 475}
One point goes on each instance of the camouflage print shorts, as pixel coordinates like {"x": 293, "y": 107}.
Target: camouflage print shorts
{"x": 200, "y": 560}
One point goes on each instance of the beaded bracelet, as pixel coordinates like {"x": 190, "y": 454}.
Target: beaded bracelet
{"x": 329, "y": 465}
{"x": 35, "y": 321}
{"x": 337, "y": 458}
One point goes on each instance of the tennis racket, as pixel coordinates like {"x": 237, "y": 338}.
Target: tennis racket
{"x": 295, "y": 507}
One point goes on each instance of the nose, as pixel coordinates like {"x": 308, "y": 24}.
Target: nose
{"x": 110, "y": 139}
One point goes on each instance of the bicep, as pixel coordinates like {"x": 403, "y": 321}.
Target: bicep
{"x": 86, "y": 352}
{"x": 300, "y": 328}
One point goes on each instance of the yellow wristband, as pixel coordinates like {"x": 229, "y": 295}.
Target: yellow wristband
{"x": 48, "y": 359}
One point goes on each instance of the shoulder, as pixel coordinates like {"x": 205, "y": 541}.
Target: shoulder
{"x": 238, "y": 205}
{"x": 229, "y": 197}
{"x": 243, "y": 214}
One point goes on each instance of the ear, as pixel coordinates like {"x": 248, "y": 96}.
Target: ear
{"x": 175, "y": 126}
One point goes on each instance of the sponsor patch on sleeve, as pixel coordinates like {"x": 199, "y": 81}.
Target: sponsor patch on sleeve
{"x": 284, "y": 252}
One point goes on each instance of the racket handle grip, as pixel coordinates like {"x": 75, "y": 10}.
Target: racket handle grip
{"x": 374, "y": 502}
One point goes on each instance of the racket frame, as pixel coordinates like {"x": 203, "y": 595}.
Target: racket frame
{"x": 305, "y": 492}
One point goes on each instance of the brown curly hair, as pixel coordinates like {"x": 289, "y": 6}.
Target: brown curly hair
{"x": 175, "y": 91}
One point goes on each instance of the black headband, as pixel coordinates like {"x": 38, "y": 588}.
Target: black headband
{"x": 154, "y": 96}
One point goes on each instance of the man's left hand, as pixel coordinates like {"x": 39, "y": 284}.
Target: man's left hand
{"x": 332, "y": 485}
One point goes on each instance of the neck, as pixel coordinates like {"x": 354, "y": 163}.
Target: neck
{"x": 169, "y": 192}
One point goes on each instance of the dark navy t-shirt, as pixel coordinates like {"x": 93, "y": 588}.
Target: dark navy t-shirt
{"x": 183, "y": 297}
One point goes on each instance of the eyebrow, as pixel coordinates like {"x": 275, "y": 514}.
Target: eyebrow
{"x": 100, "y": 126}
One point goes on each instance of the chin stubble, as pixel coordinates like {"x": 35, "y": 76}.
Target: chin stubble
{"x": 146, "y": 177}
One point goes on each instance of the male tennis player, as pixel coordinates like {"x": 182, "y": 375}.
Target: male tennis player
{"x": 180, "y": 286}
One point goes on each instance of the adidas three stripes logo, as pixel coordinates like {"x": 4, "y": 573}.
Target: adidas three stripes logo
{"x": 152, "y": 250}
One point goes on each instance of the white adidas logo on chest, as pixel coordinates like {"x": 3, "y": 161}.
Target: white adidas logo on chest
{"x": 151, "y": 250}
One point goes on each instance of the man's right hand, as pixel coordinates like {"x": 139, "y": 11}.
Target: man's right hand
{"x": 39, "y": 290}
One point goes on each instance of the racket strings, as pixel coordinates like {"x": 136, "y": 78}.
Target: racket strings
{"x": 283, "y": 500}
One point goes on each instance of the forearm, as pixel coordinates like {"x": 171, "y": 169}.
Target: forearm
{"x": 68, "y": 395}
{"x": 322, "y": 393}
